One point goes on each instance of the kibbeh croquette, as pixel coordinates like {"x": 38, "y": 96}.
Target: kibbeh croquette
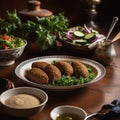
{"x": 44, "y": 73}
{"x": 52, "y": 71}
{"x": 65, "y": 67}
{"x": 79, "y": 69}
{"x": 37, "y": 75}
{"x": 38, "y": 64}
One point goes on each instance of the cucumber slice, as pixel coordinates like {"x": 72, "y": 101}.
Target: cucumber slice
{"x": 80, "y": 41}
{"x": 73, "y": 42}
{"x": 87, "y": 44}
{"x": 78, "y": 34}
{"x": 89, "y": 36}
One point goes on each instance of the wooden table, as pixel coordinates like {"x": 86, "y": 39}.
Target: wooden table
{"x": 90, "y": 98}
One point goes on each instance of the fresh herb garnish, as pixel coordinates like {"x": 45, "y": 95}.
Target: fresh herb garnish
{"x": 45, "y": 29}
{"x": 72, "y": 80}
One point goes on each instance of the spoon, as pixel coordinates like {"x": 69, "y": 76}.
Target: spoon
{"x": 104, "y": 110}
{"x": 115, "y": 19}
{"x": 116, "y": 38}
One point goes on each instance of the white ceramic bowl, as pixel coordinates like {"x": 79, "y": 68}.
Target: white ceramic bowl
{"x": 8, "y": 57}
{"x": 67, "y": 109}
{"x": 24, "y": 112}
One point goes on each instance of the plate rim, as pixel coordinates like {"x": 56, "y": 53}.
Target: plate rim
{"x": 59, "y": 88}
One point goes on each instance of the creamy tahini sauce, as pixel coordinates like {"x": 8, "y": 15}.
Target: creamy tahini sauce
{"x": 22, "y": 101}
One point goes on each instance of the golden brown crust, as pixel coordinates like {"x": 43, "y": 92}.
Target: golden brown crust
{"x": 37, "y": 75}
{"x": 79, "y": 69}
{"x": 65, "y": 67}
{"x": 52, "y": 71}
{"x": 40, "y": 65}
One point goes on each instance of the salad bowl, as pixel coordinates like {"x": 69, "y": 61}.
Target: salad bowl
{"x": 16, "y": 106}
{"x": 81, "y": 38}
{"x": 10, "y": 49}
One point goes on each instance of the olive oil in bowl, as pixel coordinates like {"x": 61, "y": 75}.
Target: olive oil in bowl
{"x": 68, "y": 116}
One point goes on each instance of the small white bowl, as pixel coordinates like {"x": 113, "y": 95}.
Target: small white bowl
{"x": 8, "y": 57}
{"x": 24, "y": 112}
{"x": 67, "y": 109}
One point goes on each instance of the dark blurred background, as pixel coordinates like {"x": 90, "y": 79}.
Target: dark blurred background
{"x": 107, "y": 9}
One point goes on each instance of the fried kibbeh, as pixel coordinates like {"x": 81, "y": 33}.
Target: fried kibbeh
{"x": 65, "y": 67}
{"x": 52, "y": 71}
{"x": 38, "y": 64}
{"x": 79, "y": 69}
{"x": 37, "y": 75}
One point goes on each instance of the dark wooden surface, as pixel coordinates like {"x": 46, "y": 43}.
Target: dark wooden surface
{"x": 90, "y": 98}
{"x": 72, "y": 9}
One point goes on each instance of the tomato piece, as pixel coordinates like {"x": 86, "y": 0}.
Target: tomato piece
{"x": 6, "y": 37}
{"x": 5, "y": 47}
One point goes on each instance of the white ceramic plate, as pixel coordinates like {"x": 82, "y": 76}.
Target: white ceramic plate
{"x": 22, "y": 67}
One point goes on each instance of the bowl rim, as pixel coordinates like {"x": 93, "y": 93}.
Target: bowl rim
{"x": 25, "y": 41}
{"x": 13, "y": 89}
{"x": 68, "y": 106}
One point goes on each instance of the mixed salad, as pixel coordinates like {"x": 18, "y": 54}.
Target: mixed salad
{"x": 45, "y": 29}
{"x": 9, "y": 42}
{"x": 82, "y": 35}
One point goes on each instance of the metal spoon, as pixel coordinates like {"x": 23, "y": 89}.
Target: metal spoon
{"x": 90, "y": 116}
{"x": 104, "y": 110}
{"x": 115, "y": 19}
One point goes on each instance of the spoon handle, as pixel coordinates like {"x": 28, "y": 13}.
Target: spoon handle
{"x": 115, "y": 19}
{"x": 117, "y": 37}
{"x": 91, "y": 115}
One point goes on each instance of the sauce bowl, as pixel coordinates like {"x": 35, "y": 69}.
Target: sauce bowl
{"x": 73, "y": 110}
{"x": 28, "y": 111}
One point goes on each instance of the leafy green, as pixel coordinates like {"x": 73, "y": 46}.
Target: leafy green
{"x": 13, "y": 18}
{"x": 46, "y": 29}
{"x": 72, "y": 80}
